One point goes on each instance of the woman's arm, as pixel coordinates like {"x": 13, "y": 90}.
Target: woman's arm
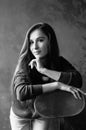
{"x": 72, "y": 77}
{"x": 64, "y": 72}
{"x": 57, "y": 85}
{"x": 25, "y": 90}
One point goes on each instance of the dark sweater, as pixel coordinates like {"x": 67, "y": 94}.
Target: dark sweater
{"x": 27, "y": 84}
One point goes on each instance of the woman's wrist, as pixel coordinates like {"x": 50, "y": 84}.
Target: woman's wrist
{"x": 52, "y": 74}
{"x": 63, "y": 86}
{"x": 43, "y": 71}
{"x": 49, "y": 87}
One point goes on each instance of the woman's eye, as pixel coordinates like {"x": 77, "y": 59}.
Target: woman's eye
{"x": 31, "y": 42}
{"x": 41, "y": 40}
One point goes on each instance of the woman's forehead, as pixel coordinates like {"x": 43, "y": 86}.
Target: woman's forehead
{"x": 37, "y": 33}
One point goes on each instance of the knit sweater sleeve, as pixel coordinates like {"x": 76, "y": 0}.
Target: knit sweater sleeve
{"x": 69, "y": 75}
{"x": 22, "y": 86}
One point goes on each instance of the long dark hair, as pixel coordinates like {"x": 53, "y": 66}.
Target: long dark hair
{"x": 26, "y": 54}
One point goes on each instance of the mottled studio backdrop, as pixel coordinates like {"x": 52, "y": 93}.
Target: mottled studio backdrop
{"x": 68, "y": 18}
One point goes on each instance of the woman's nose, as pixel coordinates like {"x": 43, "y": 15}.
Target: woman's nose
{"x": 35, "y": 45}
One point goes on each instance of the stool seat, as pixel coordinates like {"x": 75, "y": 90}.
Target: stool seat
{"x": 58, "y": 104}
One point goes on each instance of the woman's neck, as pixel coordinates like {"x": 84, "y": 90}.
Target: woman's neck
{"x": 44, "y": 61}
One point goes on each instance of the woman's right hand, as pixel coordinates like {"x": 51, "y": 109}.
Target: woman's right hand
{"x": 73, "y": 90}
{"x": 36, "y": 63}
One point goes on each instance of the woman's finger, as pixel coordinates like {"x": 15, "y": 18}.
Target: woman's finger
{"x": 81, "y": 92}
{"x": 33, "y": 63}
{"x": 77, "y": 93}
{"x": 74, "y": 94}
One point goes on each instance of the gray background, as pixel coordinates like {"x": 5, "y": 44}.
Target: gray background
{"x": 68, "y": 18}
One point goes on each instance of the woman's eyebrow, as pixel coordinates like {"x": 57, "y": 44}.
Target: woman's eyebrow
{"x": 38, "y": 38}
{"x": 41, "y": 37}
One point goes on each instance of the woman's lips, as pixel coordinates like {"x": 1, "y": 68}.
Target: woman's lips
{"x": 36, "y": 52}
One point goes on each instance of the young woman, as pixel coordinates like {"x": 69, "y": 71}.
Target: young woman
{"x": 40, "y": 70}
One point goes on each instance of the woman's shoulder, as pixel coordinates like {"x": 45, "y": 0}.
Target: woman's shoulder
{"x": 63, "y": 63}
{"x": 62, "y": 60}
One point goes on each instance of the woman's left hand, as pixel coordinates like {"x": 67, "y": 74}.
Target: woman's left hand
{"x": 73, "y": 90}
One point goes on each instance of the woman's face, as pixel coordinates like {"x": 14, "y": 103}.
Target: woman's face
{"x": 39, "y": 43}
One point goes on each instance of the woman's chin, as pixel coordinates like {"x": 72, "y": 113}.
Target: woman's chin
{"x": 37, "y": 57}
{"x": 40, "y": 56}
